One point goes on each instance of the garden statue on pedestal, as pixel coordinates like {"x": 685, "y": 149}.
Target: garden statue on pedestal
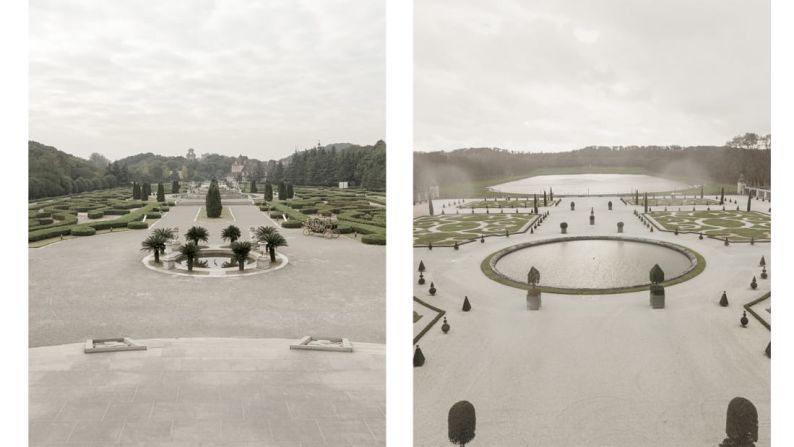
{"x": 741, "y": 424}
{"x": 620, "y": 227}
{"x": 657, "y": 290}
{"x": 724, "y": 299}
{"x": 573, "y": 206}
{"x": 445, "y": 326}
{"x": 564, "y": 227}
{"x": 533, "y": 292}
{"x": 609, "y": 205}
{"x": 743, "y": 321}
{"x": 592, "y": 217}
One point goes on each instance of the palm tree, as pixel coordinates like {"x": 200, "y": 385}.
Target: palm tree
{"x": 231, "y": 233}
{"x": 190, "y": 251}
{"x": 197, "y": 234}
{"x": 154, "y": 243}
{"x": 262, "y": 232}
{"x": 241, "y": 251}
{"x": 274, "y": 240}
{"x": 167, "y": 234}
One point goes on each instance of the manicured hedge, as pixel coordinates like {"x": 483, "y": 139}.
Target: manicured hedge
{"x": 374, "y": 239}
{"x": 276, "y": 215}
{"x": 264, "y": 208}
{"x": 164, "y": 208}
{"x": 171, "y": 203}
{"x": 96, "y": 214}
{"x": 309, "y": 210}
{"x": 115, "y": 212}
{"x": 345, "y": 229}
{"x": 59, "y": 216}
{"x": 137, "y": 225}
{"x": 291, "y": 224}
{"x": 82, "y": 230}
{"x": 153, "y": 215}
{"x": 42, "y": 214}
{"x": 45, "y": 220}
{"x": 47, "y": 233}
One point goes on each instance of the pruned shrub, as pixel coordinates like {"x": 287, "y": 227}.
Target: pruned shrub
{"x": 466, "y": 304}
{"x": 96, "y": 214}
{"x": 724, "y": 299}
{"x": 83, "y": 231}
{"x": 45, "y": 220}
{"x": 291, "y": 224}
{"x": 153, "y": 215}
{"x": 138, "y": 225}
{"x": 419, "y": 358}
{"x": 374, "y": 239}
{"x": 461, "y": 422}
{"x": 345, "y": 229}
{"x": 59, "y": 216}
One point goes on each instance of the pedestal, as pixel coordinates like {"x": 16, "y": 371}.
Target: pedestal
{"x": 262, "y": 262}
{"x": 657, "y": 297}
{"x": 592, "y": 220}
{"x": 533, "y": 299}
{"x": 168, "y": 264}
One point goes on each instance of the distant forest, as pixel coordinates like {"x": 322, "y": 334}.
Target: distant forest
{"x": 54, "y": 173}
{"x": 699, "y": 164}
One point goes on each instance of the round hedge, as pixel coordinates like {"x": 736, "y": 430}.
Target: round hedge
{"x": 153, "y": 215}
{"x": 45, "y": 221}
{"x": 42, "y": 214}
{"x": 276, "y": 214}
{"x": 83, "y": 231}
{"x": 59, "y": 216}
{"x": 96, "y": 214}
{"x": 264, "y": 208}
{"x": 138, "y": 225}
{"x": 291, "y": 224}
{"x": 345, "y": 229}
{"x": 164, "y": 208}
{"x": 374, "y": 239}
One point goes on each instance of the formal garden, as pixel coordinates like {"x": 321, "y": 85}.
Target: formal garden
{"x": 448, "y": 229}
{"x": 356, "y": 212}
{"x": 740, "y": 226}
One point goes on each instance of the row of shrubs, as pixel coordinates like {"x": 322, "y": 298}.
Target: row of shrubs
{"x": 129, "y": 220}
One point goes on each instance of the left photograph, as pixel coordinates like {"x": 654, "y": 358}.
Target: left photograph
{"x": 207, "y": 223}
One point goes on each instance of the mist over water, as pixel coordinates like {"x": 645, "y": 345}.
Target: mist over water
{"x": 590, "y": 184}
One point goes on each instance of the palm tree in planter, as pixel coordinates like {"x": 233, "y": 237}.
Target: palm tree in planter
{"x": 263, "y": 231}
{"x": 231, "y": 234}
{"x": 197, "y": 234}
{"x": 167, "y": 234}
{"x": 190, "y": 251}
{"x": 154, "y": 243}
{"x": 273, "y": 241}
{"x": 241, "y": 251}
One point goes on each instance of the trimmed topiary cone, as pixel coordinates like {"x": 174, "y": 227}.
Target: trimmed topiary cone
{"x": 768, "y": 350}
{"x": 724, "y": 299}
{"x": 763, "y": 262}
{"x": 432, "y": 289}
{"x": 419, "y": 358}
{"x": 421, "y": 266}
{"x": 753, "y": 284}
{"x": 743, "y": 321}
{"x": 466, "y": 305}
{"x": 445, "y": 326}
{"x": 532, "y": 230}
{"x": 430, "y": 245}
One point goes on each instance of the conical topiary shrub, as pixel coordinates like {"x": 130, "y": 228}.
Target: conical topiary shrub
{"x": 421, "y": 266}
{"x": 724, "y": 299}
{"x": 432, "y": 288}
{"x": 419, "y": 358}
{"x": 466, "y": 305}
{"x": 768, "y": 350}
{"x": 700, "y": 236}
{"x": 430, "y": 245}
{"x": 753, "y": 284}
{"x": 763, "y": 262}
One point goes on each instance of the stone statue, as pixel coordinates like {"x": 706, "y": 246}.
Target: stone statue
{"x": 533, "y": 292}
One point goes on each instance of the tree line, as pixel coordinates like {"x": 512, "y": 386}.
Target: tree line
{"x": 720, "y": 164}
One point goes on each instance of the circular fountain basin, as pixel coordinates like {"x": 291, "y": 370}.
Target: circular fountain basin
{"x": 594, "y": 265}
{"x": 215, "y": 262}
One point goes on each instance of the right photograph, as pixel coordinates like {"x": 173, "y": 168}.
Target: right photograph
{"x": 592, "y": 223}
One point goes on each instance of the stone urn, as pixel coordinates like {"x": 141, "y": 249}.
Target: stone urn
{"x": 592, "y": 217}
{"x": 445, "y": 326}
{"x": 620, "y": 227}
{"x": 573, "y": 206}
{"x": 564, "y": 228}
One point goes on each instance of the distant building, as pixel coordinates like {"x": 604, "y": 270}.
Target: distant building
{"x": 342, "y": 185}
{"x": 759, "y": 192}
{"x": 191, "y": 154}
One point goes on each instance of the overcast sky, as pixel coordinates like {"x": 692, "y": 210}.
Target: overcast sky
{"x": 225, "y": 76}
{"x": 560, "y": 75}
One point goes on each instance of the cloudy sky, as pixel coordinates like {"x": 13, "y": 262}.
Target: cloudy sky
{"x": 224, "y": 76}
{"x": 560, "y": 75}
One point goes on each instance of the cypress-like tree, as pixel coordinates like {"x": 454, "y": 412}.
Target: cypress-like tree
{"x": 282, "y": 191}
{"x": 646, "y": 202}
{"x": 213, "y": 200}
{"x": 722, "y": 196}
{"x": 290, "y": 192}
{"x": 160, "y": 193}
{"x": 253, "y": 186}
{"x": 544, "y": 198}
{"x": 146, "y": 191}
{"x": 175, "y": 187}
{"x": 749, "y": 202}
{"x": 419, "y": 358}
{"x": 461, "y": 423}
{"x": 268, "y": 191}
{"x": 136, "y": 191}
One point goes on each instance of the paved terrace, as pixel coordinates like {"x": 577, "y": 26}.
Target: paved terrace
{"x": 207, "y": 392}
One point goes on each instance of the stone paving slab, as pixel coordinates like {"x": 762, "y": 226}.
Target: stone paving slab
{"x": 211, "y": 397}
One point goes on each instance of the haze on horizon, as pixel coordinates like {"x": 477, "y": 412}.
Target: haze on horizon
{"x": 545, "y": 75}
{"x": 253, "y": 77}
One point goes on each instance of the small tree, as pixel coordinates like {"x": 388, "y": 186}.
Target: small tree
{"x": 136, "y": 191}
{"x": 646, "y": 203}
{"x": 231, "y": 234}
{"x": 763, "y": 262}
{"x": 146, "y": 191}
{"x": 749, "y": 202}
{"x": 154, "y": 243}
{"x": 432, "y": 289}
{"x": 197, "y": 234}
{"x": 268, "y": 191}
{"x": 241, "y": 251}
{"x": 753, "y": 284}
{"x": 564, "y": 227}
{"x": 273, "y": 241}
{"x": 430, "y": 204}
{"x": 461, "y": 423}
{"x": 290, "y": 192}
{"x": 160, "y": 193}
{"x": 724, "y": 299}
{"x": 213, "y": 200}
{"x": 282, "y": 191}
{"x": 190, "y": 251}
{"x": 252, "y": 189}
{"x": 419, "y": 358}
{"x": 175, "y": 187}
{"x": 722, "y": 196}
{"x": 421, "y": 266}
{"x": 167, "y": 234}
{"x": 741, "y": 424}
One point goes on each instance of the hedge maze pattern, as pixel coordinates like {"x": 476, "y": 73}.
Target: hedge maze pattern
{"x": 735, "y": 225}
{"x": 445, "y": 230}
